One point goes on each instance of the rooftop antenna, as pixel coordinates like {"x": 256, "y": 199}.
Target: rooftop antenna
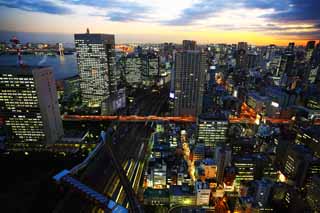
{"x": 88, "y": 31}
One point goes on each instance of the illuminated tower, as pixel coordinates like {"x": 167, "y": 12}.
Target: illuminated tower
{"x": 96, "y": 65}
{"x": 29, "y": 104}
{"x": 189, "y": 76}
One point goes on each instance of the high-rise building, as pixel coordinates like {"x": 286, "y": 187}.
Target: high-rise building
{"x": 297, "y": 164}
{"x": 212, "y": 129}
{"x": 253, "y": 60}
{"x": 245, "y": 168}
{"x": 188, "y": 45}
{"x": 313, "y": 194}
{"x": 317, "y": 80}
{"x": 309, "y": 49}
{"x": 167, "y": 50}
{"x": 286, "y": 64}
{"x": 198, "y": 152}
{"x": 189, "y": 75}
{"x": 274, "y": 67}
{"x": 263, "y": 192}
{"x": 150, "y": 69}
{"x": 315, "y": 60}
{"x": 286, "y": 68}
{"x": 223, "y": 159}
{"x": 29, "y": 104}
{"x": 271, "y": 52}
{"x": 310, "y": 137}
{"x": 242, "y": 56}
{"x": 96, "y": 65}
{"x": 290, "y": 47}
{"x": 133, "y": 70}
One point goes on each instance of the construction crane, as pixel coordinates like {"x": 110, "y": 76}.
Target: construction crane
{"x": 15, "y": 42}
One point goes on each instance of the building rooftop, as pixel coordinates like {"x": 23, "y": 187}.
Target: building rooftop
{"x": 16, "y": 70}
{"x": 257, "y": 96}
{"x": 201, "y": 185}
{"x": 180, "y": 190}
{"x": 149, "y": 192}
{"x": 94, "y": 37}
{"x": 208, "y": 161}
{"x": 275, "y": 91}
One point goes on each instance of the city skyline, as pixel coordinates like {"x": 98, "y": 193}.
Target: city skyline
{"x": 258, "y": 22}
{"x": 160, "y": 106}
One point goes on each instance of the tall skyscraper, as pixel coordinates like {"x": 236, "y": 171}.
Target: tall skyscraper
{"x": 188, "y": 45}
{"x": 287, "y": 63}
{"x": 253, "y": 60}
{"x": 317, "y": 80}
{"x": 96, "y": 65}
{"x": 150, "y": 68}
{"x": 297, "y": 163}
{"x": 286, "y": 69}
{"x": 223, "y": 159}
{"x": 242, "y": 56}
{"x": 29, "y": 104}
{"x": 189, "y": 75}
{"x": 133, "y": 74}
{"x": 270, "y": 52}
{"x": 309, "y": 49}
{"x": 290, "y": 47}
{"x": 316, "y": 55}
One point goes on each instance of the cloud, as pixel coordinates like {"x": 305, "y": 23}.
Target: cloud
{"x": 290, "y": 10}
{"x": 266, "y": 4}
{"x": 299, "y": 18}
{"x": 308, "y": 35}
{"x": 42, "y": 6}
{"x": 301, "y": 31}
{"x": 290, "y": 18}
{"x": 198, "y": 11}
{"x": 280, "y": 11}
{"x": 123, "y": 16}
{"x": 267, "y": 27}
{"x": 118, "y": 10}
{"x": 121, "y": 4}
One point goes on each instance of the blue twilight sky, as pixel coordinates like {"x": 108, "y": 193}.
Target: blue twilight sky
{"x": 256, "y": 21}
